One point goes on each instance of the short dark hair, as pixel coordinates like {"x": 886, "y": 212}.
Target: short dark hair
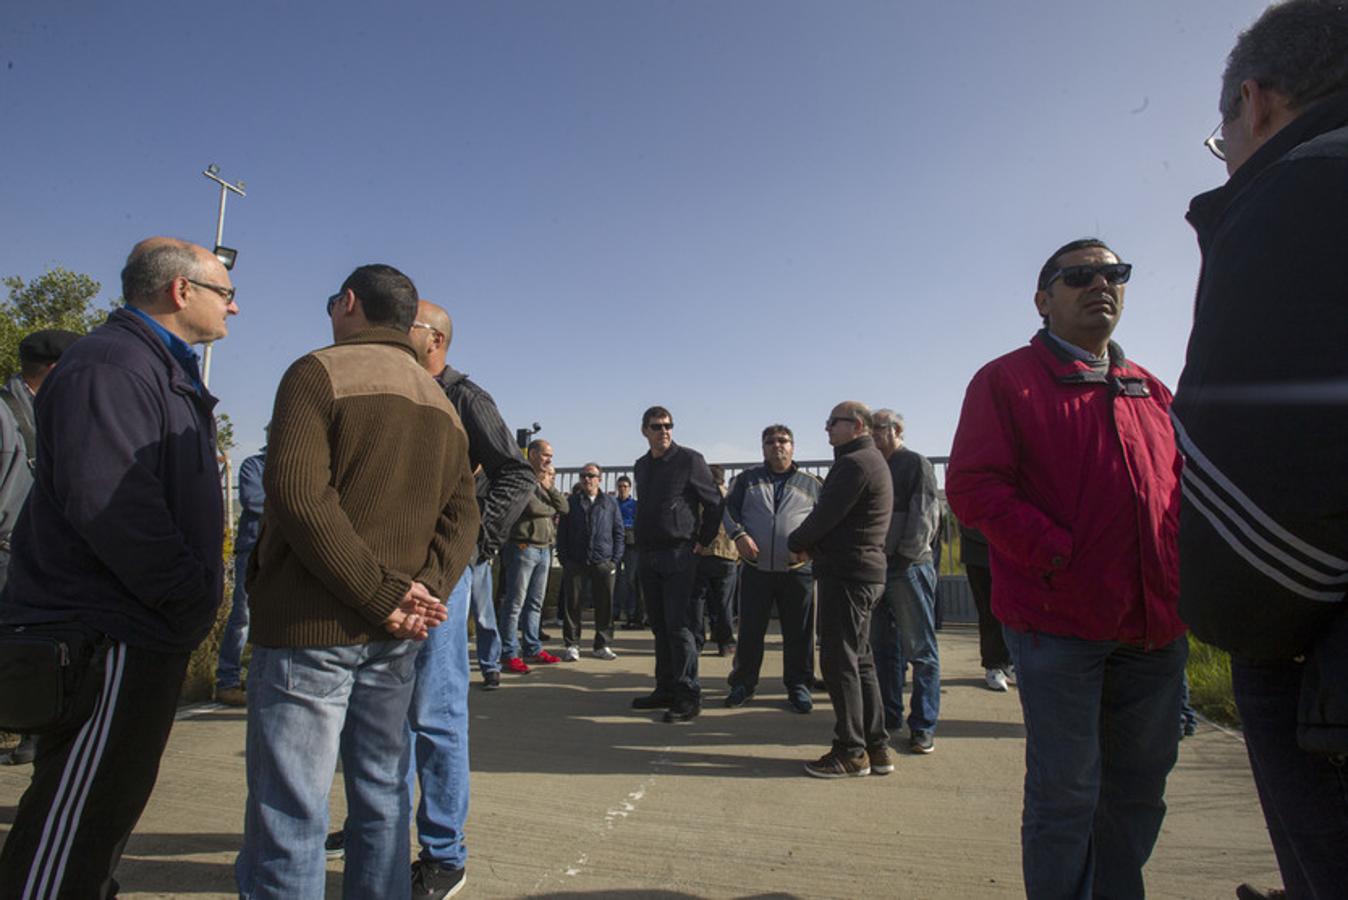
{"x": 1298, "y": 49}
{"x": 774, "y": 430}
{"x": 656, "y": 412}
{"x": 148, "y": 270}
{"x": 1079, "y": 244}
{"x": 623, "y": 479}
{"x": 388, "y": 297}
{"x": 536, "y": 444}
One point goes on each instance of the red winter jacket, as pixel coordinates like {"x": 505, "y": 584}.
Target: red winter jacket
{"x": 1073, "y": 476}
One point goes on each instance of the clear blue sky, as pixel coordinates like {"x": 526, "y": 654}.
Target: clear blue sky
{"x": 746, "y": 211}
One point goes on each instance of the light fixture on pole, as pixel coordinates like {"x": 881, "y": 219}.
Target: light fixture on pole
{"x": 226, "y": 255}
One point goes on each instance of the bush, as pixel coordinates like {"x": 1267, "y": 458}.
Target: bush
{"x": 200, "y": 681}
{"x": 1210, "y": 683}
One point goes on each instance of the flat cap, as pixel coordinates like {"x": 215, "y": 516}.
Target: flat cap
{"x": 46, "y": 345}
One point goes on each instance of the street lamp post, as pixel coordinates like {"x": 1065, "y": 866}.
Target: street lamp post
{"x": 225, "y": 254}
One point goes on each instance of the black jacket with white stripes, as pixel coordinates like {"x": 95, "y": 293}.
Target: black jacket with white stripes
{"x": 1261, "y": 413}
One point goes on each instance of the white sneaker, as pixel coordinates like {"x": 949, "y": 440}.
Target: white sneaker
{"x": 996, "y": 680}
{"x": 571, "y": 654}
{"x": 604, "y": 653}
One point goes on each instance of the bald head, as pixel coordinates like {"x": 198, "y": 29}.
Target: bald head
{"x": 430, "y": 336}
{"x": 848, "y": 421}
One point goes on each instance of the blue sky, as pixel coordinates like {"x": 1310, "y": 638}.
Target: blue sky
{"x": 746, "y": 211}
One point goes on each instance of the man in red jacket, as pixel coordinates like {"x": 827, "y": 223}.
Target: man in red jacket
{"x": 1065, "y": 458}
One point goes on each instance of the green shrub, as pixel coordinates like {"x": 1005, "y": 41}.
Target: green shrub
{"x": 1210, "y": 683}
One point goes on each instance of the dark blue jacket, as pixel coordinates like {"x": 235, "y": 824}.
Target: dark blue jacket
{"x": 252, "y": 497}
{"x": 591, "y": 536}
{"x": 124, "y": 525}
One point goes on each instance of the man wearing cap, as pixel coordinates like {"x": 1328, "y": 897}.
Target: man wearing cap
{"x": 38, "y": 353}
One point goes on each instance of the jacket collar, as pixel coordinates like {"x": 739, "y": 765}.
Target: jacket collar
{"x": 1208, "y": 208}
{"x": 450, "y": 376}
{"x": 852, "y": 446}
{"x": 180, "y": 381}
{"x": 1123, "y": 377}
{"x": 380, "y": 335}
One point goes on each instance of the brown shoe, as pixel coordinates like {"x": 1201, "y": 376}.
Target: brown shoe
{"x": 231, "y": 696}
{"x": 837, "y": 765}
{"x": 881, "y": 762}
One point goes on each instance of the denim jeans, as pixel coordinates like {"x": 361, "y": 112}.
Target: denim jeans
{"x": 667, "y": 577}
{"x": 908, "y": 637}
{"x": 1304, "y": 795}
{"x": 228, "y": 670}
{"x": 1101, "y": 737}
{"x": 526, "y": 584}
{"x": 305, "y": 706}
{"x": 437, "y": 721}
{"x": 483, "y": 609}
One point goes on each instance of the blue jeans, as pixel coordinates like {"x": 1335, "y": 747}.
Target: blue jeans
{"x": 526, "y": 584}
{"x": 228, "y": 667}
{"x": 437, "y": 720}
{"x": 1304, "y": 795}
{"x": 305, "y": 705}
{"x": 483, "y": 610}
{"x": 1101, "y": 738}
{"x": 908, "y": 635}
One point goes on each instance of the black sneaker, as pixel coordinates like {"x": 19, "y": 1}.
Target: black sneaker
{"x": 653, "y": 701}
{"x": 335, "y": 846}
{"x": 738, "y": 696}
{"x": 682, "y": 713}
{"x": 921, "y": 742}
{"x": 431, "y": 880}
{"x": 800, "y": 700}
{"x": 491, "y": 681}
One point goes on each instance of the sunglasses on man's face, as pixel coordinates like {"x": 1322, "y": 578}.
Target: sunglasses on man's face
{"x": 588, "y": 475}
{"x": 1081, "y": 276}
{"x": 660, "y": 426}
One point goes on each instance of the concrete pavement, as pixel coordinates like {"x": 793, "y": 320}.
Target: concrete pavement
{"x": 576, "y": 794}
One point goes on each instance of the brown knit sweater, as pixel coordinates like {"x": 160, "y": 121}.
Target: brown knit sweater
{"x": 368, "y": 488}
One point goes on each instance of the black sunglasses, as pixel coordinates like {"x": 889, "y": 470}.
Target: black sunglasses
{"x": 660, "y": 426}
{"x": 1080, "y": 276}
{"x": 589, "y": 474}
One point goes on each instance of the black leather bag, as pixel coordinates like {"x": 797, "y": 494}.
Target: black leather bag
{"x": 49, "y": 675}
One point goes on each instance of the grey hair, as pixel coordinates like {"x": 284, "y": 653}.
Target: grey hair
{"x": 885, "y": 417}
{"x": 148, "y": 270}
{"x": 1298, "y": 49}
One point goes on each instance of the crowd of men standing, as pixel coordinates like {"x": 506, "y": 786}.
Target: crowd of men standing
{"x": 1114, "y": 519}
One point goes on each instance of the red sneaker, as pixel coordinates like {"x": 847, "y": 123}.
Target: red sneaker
{"x": 544, "y": 658}
{"x": 516, "y": 666}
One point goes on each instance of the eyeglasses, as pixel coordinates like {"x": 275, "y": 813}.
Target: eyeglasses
{"x": 1081, "y": 276}
{"x": 1216, "y": 143}
{"x": 835, "y": 420}
{"x": 332, "y": 301}
{"x": 660, "y": 426}
{"x": 589, "y": 475}
{"x": 426, "y": 326}
{"x": 226, "y": 292}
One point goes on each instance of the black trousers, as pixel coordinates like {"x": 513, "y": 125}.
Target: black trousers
{"x": 716, "y": 580}
{"x": 600, "y": 578}
{"x": 793, "y": 593}
{"x": 667, "y": 576}
{"x": 91, "y": 781}
{"x": 845, "y": 609}
{"x": 991, "y": 643}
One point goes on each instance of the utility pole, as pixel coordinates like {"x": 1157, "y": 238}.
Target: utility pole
{"x": 225, "y": 254}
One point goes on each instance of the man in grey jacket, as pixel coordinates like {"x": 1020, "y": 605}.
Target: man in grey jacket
{"x": 905, "y": 631}
{"x": 765, "y": 504}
